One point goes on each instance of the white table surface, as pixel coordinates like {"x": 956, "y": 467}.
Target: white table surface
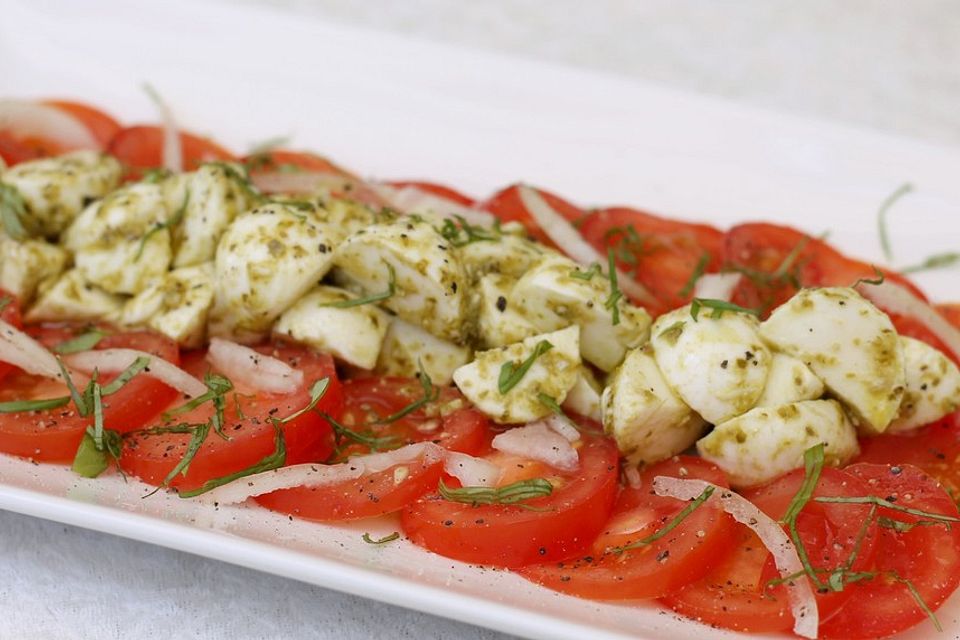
{"x": 889, "y": 65}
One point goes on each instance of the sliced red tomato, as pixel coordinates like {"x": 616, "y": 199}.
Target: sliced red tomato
{"x": 140, "y": 148}
{"x": 661, "y": 254}
{"x": 928, "y": 555}
{"x": 507, "y": 205}
{"x": 951, "y": 312}
{"x": 15, "y": 149}
{"x": 435, "y": 189}
{"x": 684, "y": 555}
{"x": 101, "y": 125}
{"x": 551, "y": 528}
{"x": 291, "y": 161}
{"x": 247, "y": 424}
{"x": 9, "y": 313}
{"x": 53, "y": 435}
{"x": 735, "y": 594}
{"x": 368, "y": 400}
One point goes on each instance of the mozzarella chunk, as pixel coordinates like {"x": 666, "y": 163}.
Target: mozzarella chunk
{"x": 55, "y": 190}
{"x": 121, "y": 243}
{"x": 509, "y": 256}
{"x": 71, "y": 297}
{"x": 553, "y": 373}
{"x": 789, "y": 380}
{"x": 405, "y": 345}
{"x": 352, "y": 334}
{"x": 551, "y": 297}
{"x": 767, "y": 442}
{"x": 24, "y": 265}
{"x": 266, "y": 260}
{"x": 344, "y": 217}
{"x": 718, "y": 365}
{"x": 210, "y": 198}
{"x": 584, "y": 397}
{"x": 932, "y": 386}
{"x": 849, "y": 344}
{"x": 429, "y": 279}
{"x": 177, "y": 306}
{"x": 498, "y": 321}
{"x": 647, "y": 419}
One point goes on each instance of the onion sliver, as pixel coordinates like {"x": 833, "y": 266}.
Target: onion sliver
{"x": 564, "y": 426}
{"x": 36, "y": 120}
{"x": 20, "y": 350}
{"x": 172, "y": 149}
{"x": 803, "y": 604}
{"x": 537, "y": 441}
{"x": 300, "y": 182}
{"x": 299, "y": 475}
{"x": 252, "y": 368}
{"x": 565, "y": 236}
{"x": 116, "y": 360}
{"x": 895, "y": 298}
{"x": 470, "y": 471}
{"x": 717, "y": 286}
{"x": 376, "y": 462}
{"x": 410, "y": 199}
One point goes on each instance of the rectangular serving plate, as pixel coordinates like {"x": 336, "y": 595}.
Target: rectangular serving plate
{"x": 400, "y": 108}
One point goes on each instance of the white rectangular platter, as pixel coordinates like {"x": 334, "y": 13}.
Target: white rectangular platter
{"x": 395, "y": 108}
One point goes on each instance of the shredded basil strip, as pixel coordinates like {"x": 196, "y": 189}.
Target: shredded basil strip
{"x": 697, "y": 272}
{"x": 13, "y": 210}
{"x": 878, "y": 280}
{"x": 90, "y": 461}
{"x": 936, "y": 261}
{"x": 79, "y": 400}
{"x": 384, "y": 540}
{"x": 17, "y": 406}
{"x": 5, "y": 302}
{"x": 160, "y": 226}
{"x": 612, "y": 303}
{"x": 888, "y": 202}
{"x": 512, "y": 494}
{"x": 197, "y": 438}
{"x": 430, "y": 394}
{"x": 376, "y": 297}
{"x": 216, "y": 385}
{"x": 695, "y": 504}
{"x": 272, "y": 461}
{"x": 375, "y": 443}
{"x": 593, "y": 270}
{"x": 718, "y": 306}
{"x": 317, "y": 390}
{"x": 138, "y": 365}
{"x": 886, "y": 504}
{"x": 83, "y": 342}
{"x": 462, "y": 233}
{"x": 813, "y": 460}
{"x": 550, "y": 403}
{"x": 511, "y": 373}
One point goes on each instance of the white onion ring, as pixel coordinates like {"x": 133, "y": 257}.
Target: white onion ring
{"x": 410, "y": 199}
{"x": 172, "y": 149}
{"x": 471, "y": 471}
{"x": 537, "y": 441}
{"x": 33, "y": 119}
{"x": 116, "y": 360}
{"x": 20, "y": 350}
{"x": 717, "y": 286}
{"x": 252, "y": 368}
{"x": 895, "y": 298}
{"x": 300, "y": 182}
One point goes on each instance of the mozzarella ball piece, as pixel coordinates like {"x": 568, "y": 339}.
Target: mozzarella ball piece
{"x": 932, "y": 386}
{"x": 406, "y": 346}
{"x": 584, "y": 397}
{"x": 509, "y": 255}
{"x": 71, "y": 297}
{"x": 266, "y": 260}
{"x": 429, "y": 281}
{"x": 552, "y": 296}
{"x": 850, "y": 345}
{"x": 553, "y": 373}
{"x": 647, "y": 419}
{"x": 24, "y": 265}
{"x": 498, "y": 321}
{"x": 351, "y": 334}
{"x": 717, "y": 363}
{"x": 789, "y": 380}
{"x": 767, "y": 442}
{"x": 344, "y": 217}
{"x": 56, "y": 190}
{"x": 177, "y": 306}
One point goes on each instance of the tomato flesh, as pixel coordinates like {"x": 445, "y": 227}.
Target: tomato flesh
{"x": 508, "y": 206}
{"x": 140, "y": 148}
{"x": 100, "y": 124}
{"x": 438, "y": 190}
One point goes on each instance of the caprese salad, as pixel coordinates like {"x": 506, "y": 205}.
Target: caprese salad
{"x": 747, "y": 425}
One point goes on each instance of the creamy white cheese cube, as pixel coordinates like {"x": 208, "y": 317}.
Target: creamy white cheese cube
{"x": 717, "y": 364}
{"x": 553, "y": 373}
{"x": 405, "y": 345}
{"x": 352, "y": 334}
{"x": 551, "y": 296}
{"x": 647, "y": 419}
{"x": 429, "y": 281}
{"x": 344, "y": 217}
{"x": 932, "y": 386}
{"x": 121, "y": 243}
{"x": 850, "y": 345}
{"x": 24, "y": 265}
{"x": 767, "y": 442}
{"x": 584, "y": 397}
{"x": 71, "y": 297}
{"x": 177, "y": 306}
{"x": 509, "y": 255}
{"x": 266, "y": 260}
{"x": 789, "y": 380}
{"x": 56, "y": 190}
{"x": 499, "y": 322}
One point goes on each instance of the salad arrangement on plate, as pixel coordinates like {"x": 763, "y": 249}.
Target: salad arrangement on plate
{"x": 747, "y": 425}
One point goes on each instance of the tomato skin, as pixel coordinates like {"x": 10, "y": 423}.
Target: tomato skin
{"x": 511, "y": 536}
{"x": 507, "y": 205}
{"x": 666, "y": 255}
{"x": 951, "y": 312}
{"x": 681, "y": 557}
{"x": 101, "y": 125}
{"x": 140, "y": 148}
{"x": 278, "y": 159}
{"x": 308, "y": 437}
{"x": 929, "y": 556}
{"x": 438, "y": 190}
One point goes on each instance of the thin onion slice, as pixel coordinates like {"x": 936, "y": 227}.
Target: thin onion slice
{"x": 410, "y": 199}
{"x": 471, "y": 471}
{"x": 172, "y": 149}
{"x": 803, "y": 604}
{"x": 564, "y": 426}
{"x": 116, "y": 360}
{"x": 717, "y": 286}
{"x": 252, "y": 368}
{"x": 300, "y": 182}
{"x": 565, "y": 236}
{"x": 895, "y": 298}
{"x": 376, "y": 462}
{"x": 20, "y": 350}
{"x": 537, "y": 441}
{"x": 36, "y": 120}
{"x": 298, "y": 475}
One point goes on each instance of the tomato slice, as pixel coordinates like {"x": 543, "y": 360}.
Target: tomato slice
{"x": 464, "y": 429}
{"x": 928, "y": 556}
{"x": 552, "y": 528}
{"x": 661, "y": 254}
{"x": 140, "y": 148}
{"x": 681, "y": 557}
{"x": 293, "y": 161}
{"x": 247, "y": 424}
{"x": 438, "y": 190}
{"x": 53, "y": 435}
{"x": 734, "y": 595}
{"x": 101, "y": 125}
{"x": 507, "y": 205}
{"x": 17, "y": 149}
{"x": 951, "y": 312}
{"x": 9, "y": 313}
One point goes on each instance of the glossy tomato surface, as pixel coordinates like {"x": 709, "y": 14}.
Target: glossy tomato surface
{"x": 100, "y": 124}
{"x": 508, "y": 206}
{"x": 140, "y": 148}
